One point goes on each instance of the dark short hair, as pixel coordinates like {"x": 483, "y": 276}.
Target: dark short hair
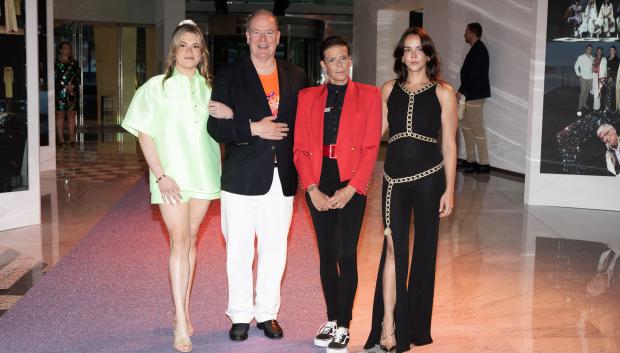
{"x": 475, "y": 28}
{"x": 428, "y": 47}
{"x": 333, "y": 41}
{"x": 589, "y": 46}
{"x": 260, "y": 12}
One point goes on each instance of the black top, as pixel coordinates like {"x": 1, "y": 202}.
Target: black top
{"x": 333, "y": 108}
{"x": 248, "y": 160}
{"x": 612, "y": 67}
{"x": 475, "y": 73}
{"x": 408, "y": 156}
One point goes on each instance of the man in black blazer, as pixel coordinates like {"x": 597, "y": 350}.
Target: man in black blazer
{"x": 476, "y": 88}
{"x": 259, "y": 179}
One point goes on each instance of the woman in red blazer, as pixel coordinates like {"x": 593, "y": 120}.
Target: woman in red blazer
{"x": 337, "y": 136}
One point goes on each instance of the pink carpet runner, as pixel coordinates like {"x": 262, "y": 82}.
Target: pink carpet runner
{"x": 111, "y": 292}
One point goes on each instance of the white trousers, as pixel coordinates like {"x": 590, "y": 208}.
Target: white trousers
{"x": 266, "y": 217}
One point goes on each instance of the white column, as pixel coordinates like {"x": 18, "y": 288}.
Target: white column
{"x": 168, "y": 14}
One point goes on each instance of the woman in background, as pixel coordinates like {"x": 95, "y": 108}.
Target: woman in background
{"x": 67, "y": 81}
{"x": 599, "y": 76}
{"x": 609, "y": 103}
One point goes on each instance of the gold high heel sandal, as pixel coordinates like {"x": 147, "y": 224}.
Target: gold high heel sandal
{"x": 190, "y": 328}
{"x": 391, "y": 346}
{"x": 182, "y": 343}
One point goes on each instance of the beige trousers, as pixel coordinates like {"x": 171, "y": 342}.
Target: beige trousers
{"x": 8, "y": 81}
{"x": 10, "y": 16}
{"x": 474, "y": 132}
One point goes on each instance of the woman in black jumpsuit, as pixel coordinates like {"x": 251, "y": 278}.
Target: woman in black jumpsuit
{"x": 419, "y": 174}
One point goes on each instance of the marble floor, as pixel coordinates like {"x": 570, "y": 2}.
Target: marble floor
{"x": 510, "y": 277}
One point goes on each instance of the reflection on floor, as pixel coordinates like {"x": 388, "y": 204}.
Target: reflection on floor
{"x": 89, "y": 178}
{"x": 510, "y": 278}
{"x": 89, "y": 162}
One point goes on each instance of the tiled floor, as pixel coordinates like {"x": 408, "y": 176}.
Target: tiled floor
{"x": 510, "y": 277}
{"x": 89, "y": 178}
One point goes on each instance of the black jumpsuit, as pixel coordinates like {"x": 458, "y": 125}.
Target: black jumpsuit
{"x": 413, "y": 180}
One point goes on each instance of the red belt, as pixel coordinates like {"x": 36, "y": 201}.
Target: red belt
{"x": 329, "y": 151}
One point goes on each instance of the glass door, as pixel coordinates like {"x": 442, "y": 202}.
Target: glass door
{"x": 115, "y": 59}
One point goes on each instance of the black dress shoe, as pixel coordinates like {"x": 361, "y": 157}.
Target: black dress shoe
{"x": 239, "y": 332}
{"x": 484, "y": 169}
{"x": 464, "y": 164}
{"x": 271, "y": 328}
{"x": 472, "y": 169}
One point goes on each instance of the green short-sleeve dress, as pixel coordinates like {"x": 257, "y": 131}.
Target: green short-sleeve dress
{"x": 175, "y": 115}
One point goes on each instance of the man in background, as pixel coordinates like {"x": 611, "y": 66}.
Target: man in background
{"x": 583, "y": 70}
{"x": 476, "y": 88}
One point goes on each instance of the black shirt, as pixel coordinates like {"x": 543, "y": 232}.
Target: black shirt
{"x": 612, "y": 68}
{"x": 333, "y": 108}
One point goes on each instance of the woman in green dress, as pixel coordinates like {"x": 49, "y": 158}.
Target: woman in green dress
{"x": 169, "y": 115}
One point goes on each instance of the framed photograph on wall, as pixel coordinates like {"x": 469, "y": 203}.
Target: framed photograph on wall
{"x": 581, "y": 110}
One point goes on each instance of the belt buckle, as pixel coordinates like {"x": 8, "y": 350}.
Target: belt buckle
{"x": 332, "y": 151}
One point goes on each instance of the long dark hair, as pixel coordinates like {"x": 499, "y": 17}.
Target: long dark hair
{"x": 433, "y": 70}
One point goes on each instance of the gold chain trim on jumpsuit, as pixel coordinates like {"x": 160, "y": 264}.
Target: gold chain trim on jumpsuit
{"x": 409, "y": 133}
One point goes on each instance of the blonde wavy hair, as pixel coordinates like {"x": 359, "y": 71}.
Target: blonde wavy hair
{"x": 188, "y": 26}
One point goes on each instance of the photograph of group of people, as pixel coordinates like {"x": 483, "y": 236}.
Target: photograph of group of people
{"x": 581, "y": 110}
{"x": 575, "y": 20}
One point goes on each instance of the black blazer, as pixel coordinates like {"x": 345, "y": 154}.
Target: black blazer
{"x": 249, "y": 160}
{"x": 475, "y": 73}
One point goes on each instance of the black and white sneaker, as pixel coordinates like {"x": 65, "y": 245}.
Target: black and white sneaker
{"x": 340, "y": 341}
{"x": 325, "y": 334}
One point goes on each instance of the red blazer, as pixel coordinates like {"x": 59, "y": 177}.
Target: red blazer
{"x": 359, "y": 134}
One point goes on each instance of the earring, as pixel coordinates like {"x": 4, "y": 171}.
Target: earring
{"x": 402, "y": 60}
{"x": 428, "y": 59}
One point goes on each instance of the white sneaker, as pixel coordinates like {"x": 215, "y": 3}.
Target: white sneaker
{"x": 325, "y": 334}
{"x": 340, "y": 341}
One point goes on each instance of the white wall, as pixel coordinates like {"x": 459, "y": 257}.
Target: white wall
{"x": 390, "y": 26}
{"x": 507, "y": 34}
{"x": 167, "y": 16}
{"x": 364, "y": 41}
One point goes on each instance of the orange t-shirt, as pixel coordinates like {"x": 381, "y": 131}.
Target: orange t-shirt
{"x": 272, "y": 90}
